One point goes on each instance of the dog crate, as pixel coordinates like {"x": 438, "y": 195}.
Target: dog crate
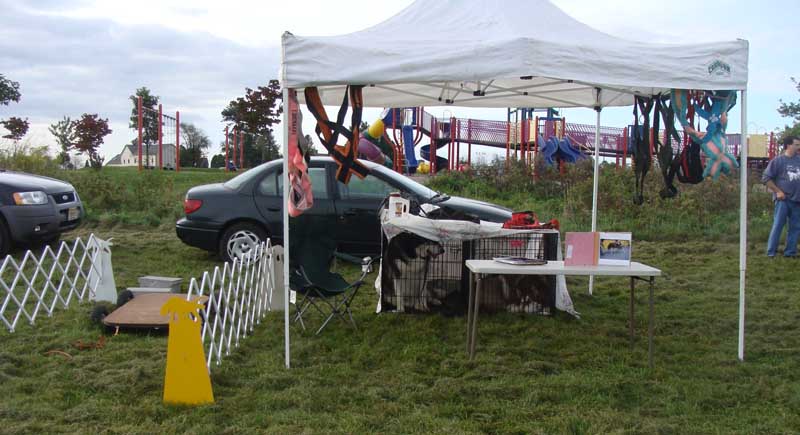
{"x": 420, "y": 275}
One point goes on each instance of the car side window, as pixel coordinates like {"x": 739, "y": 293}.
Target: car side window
{"x": 370, "y": 187}
{"x": 319, "y": 183}
{"x": 269, "y": 185}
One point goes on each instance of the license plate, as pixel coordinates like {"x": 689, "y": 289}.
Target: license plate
{"x": 73, "y": 213}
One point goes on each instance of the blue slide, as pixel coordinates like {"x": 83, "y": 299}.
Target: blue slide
{"x": 425, "y": 153}
{"x": 549, "y": 149}
{"x": 408, "y": 143}
{"x": 568, "y": 152}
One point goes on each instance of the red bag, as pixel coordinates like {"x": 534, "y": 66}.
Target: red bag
{"x": 527, "y": 220}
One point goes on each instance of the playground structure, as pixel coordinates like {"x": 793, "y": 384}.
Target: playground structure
{"x": 234, "y": 143}
{"x": 168, "y": 154}
{"x": 234, "y": 147}
{"x": 526, "y": 137}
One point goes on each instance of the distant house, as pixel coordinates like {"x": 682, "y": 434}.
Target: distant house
{"x": 130, "y": 156}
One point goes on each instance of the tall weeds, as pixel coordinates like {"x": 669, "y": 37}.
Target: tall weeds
{"x": 706, "y": 210}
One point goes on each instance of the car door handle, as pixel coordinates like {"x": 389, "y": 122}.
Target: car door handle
{"x": 351, "y": 212}
{"x": 273, "y": 208}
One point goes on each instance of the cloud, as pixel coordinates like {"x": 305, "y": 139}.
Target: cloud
{"x": 69, "y": 66}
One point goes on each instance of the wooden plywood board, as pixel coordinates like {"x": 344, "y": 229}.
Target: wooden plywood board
{"x": 144, "y": 311}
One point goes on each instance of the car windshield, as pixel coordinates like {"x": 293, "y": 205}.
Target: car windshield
{"x": 238, "y": 181}
{"x": 407, "y": 183}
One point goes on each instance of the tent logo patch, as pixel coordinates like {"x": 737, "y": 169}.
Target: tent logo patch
{"x": 719, "y": 68}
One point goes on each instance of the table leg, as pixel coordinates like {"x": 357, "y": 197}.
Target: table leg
{"x": 476, "y": 304}
{"x": 650, "y": 326}
{"x": 631, "y": 313}
{"x": 471, "y": 289}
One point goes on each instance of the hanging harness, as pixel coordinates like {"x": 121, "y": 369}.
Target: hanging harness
{"x": 665, "y": 155}
{"x": 328, "y": 132}
{"x": 301, "y": 193}
{"x": 641, "y": 146}
{"x": 713, "y": 107}
{"x": 688, "y": 164}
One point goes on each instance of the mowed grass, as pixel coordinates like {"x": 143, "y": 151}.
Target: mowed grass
{"x": 410, "y": 374}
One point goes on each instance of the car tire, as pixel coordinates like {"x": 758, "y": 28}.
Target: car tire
{"x": 5, "y": 240}
{"x": 239, "y": 239}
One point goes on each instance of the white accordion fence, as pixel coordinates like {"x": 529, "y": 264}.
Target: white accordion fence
{"x": 239, "y": 296}
{"x": 41, "y": 283}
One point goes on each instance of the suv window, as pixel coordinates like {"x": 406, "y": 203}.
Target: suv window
{"x": 370, "y": 187}
{"x": 272, "y": 185}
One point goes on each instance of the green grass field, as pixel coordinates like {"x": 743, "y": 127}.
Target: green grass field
{"x": 410, "y": 374}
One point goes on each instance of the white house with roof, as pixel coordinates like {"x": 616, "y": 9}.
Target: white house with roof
{"x": 130, "y": 156}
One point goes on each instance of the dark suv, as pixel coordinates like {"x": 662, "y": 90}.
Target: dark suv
{"x": 35, "y": 209}
{"x": 231, "y": 218}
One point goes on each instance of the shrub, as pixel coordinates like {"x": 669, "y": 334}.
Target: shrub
{"x": 709, "y": 209}
{"x": 24, "y": 157}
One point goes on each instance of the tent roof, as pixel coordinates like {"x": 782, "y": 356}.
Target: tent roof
{"x": 501, "y": 53}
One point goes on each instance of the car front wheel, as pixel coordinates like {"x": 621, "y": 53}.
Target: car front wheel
{"x": 239, "y": 240}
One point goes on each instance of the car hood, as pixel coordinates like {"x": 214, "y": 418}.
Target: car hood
{"x": 21, "y": 182}
{"x": 484, "y": 210}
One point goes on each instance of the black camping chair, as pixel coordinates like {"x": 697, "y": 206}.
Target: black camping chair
{"x": 326, "y": 292}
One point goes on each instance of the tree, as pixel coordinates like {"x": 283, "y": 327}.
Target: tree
{"x": 9, "y": 91}
{"x": 312, "y": 149}
{"x": 64, "y": 132}
{"x": 255, "y": 114}
{"x": 218, "y": 161}
{"x": 149, "y": 119}
{"x": 16, "y": 127}
{"x": 791, "y": 110}
{"x": 257, "y": 111}
{"x": 195, "y": 141}
{"x": 89, "y": 133}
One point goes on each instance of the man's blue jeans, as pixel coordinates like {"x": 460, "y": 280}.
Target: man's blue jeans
{"x": 785, "y": 212}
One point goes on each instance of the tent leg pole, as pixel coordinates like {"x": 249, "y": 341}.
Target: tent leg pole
{"x": 743, "y": 224}
{"x": 286, "y": 118}
{"x": 596, "y": 183}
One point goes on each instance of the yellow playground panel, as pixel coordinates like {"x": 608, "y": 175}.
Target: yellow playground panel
{"x": 757, "y": 145}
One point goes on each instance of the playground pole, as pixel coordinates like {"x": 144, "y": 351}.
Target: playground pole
{"x": 469, "y": 142}
{"x": 139, "y": 106}
{"x": 241, "y": 149}
{"x": 226, "y": 149}
{"x": 235, "y": 146}
{"x": 458, "y": 143}
{"x": 508, "y": 141}
{"x": 160, "y": 138}
{"x": 452, "y": 163}
{"x": 535, "y": 146}
{"x": 596, "y": 181}
{"x": 625, "y": 149}
{"x": 432, "y": 146}
{"x": 177, "y": 141}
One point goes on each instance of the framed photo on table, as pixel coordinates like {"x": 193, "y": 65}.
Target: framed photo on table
{"x": 615, "y": 249}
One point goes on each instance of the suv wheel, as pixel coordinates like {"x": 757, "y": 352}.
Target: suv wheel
{"x": 240, "y": 239}
{"x": 5, "y": 240}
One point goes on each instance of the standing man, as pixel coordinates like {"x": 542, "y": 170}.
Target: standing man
{"x": 782, "y": 177}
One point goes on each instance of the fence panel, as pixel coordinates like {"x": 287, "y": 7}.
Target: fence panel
{"x": 239, "y": 296}
{"x": 52, "y": 279}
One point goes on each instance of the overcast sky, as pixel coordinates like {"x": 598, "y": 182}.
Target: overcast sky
{"x": 87, "y": 56}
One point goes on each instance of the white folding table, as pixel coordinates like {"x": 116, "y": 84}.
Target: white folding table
{"x": 479, "y": 268}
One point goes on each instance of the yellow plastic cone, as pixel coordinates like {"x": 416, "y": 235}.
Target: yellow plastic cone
{"x": 186, "y": 381}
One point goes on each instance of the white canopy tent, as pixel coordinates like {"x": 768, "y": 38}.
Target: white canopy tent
{"x": 504, "y": 53}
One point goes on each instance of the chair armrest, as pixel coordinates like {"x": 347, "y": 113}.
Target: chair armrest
{"x": 347, "y": 257}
